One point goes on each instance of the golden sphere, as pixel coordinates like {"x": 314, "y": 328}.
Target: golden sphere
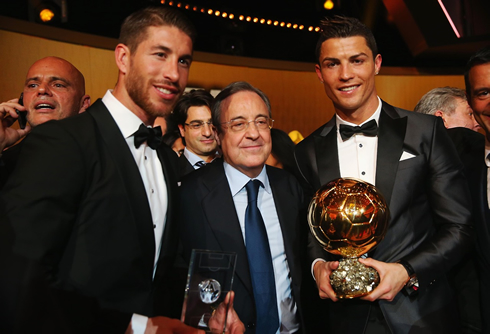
{"x": 348, "y": 217}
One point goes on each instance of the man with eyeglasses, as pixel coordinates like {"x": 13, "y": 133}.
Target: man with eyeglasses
{"x": 238, "y": 204}
{"x": 193, "y": 115}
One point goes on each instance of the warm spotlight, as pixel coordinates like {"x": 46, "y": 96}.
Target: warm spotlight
{"x": 46, "y": 15}
{"x": 328, "y": 5}
{"x": 231, "y": 16}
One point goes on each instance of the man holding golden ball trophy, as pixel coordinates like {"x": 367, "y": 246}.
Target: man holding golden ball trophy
{"x": 412, "y": 164}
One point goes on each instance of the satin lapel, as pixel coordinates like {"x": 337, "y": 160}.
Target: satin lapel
{"x": 129, "y": 175}
{"x": 221, "y": 216}
{"x": 169, "y": 240}
{"x": 327, "y": 156}
{"x": 287, "y": 213}
{"x": 391, "y": 134}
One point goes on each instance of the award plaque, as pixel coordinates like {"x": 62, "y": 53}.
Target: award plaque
{"x": 209, "y": 279}
{"x": 349, "y": 217}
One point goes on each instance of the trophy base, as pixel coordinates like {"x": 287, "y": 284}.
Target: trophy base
{"x": 352, "y": 279}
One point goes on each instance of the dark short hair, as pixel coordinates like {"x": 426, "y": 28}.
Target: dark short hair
{"x": 441, "y": 98}
{"x": 344, "y": 27}
{"x": 233, "y": 88}
{"x": 283, "y": 149}
{"x": 479, "y": 58}
{"x": 135, "y": 27}
{"x": 195, "y": 98}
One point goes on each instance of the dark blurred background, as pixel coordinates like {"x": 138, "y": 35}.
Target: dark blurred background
{"x": 410, "y": 33}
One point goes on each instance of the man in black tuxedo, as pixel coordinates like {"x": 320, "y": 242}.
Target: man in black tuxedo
{"x": 214, "y": 213}
{"x": 54, "y": 89}
{"x": 92, "y": 199}
{"x": 476, "y": 160}
{"x": 409, "y": 160}
{"x": 193, "y": 115}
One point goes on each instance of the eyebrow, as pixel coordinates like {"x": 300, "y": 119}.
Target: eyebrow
{"x": 350, "y": 58}
{"x": 170, "y": 51}
{"x": 51, "y": 79}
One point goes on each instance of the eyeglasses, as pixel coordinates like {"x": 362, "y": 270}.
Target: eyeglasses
{"x": 238, "y": 125}
{"x": 196, "y": 125}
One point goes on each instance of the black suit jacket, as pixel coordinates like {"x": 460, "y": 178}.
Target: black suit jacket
{"x": 430, "y": 216}
{"x": 185, "y": 166}
{"x": 76, "y": 204}
{"x": 209, "y": 221}
{"x": 471, "y": 149}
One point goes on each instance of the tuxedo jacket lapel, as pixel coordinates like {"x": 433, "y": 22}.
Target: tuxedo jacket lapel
{"x": 391, "y": 134}
{"x": 118, "y": 148}
{"x": 221, "y": 215}
{"x": 327, "y": 153}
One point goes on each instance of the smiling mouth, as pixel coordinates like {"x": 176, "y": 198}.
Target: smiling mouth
{"x": 348, "y": 89}
{"x": 164, "y": 91}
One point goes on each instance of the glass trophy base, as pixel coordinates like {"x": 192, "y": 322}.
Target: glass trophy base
{"x": 352, "y": 279}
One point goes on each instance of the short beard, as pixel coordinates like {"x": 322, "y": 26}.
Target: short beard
{"x": 137, "y": 91}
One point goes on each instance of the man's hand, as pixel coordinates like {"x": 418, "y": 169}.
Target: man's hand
{"x": 233, "y": 322}
{"x": 393, "y": 277}
{"x": 322, "y": 271}
{"x": 8, "y": 116}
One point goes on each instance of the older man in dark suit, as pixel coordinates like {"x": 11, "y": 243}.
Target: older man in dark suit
{"x": 411, "y": 160}
{"x": 217, "y": 215}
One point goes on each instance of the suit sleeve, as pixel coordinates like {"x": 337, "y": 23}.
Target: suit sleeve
{"x": 41, "y": 196}
{"x": 449, "y": 201}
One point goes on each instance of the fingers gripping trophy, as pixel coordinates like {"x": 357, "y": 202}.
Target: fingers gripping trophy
{"x": 349, "y": 217}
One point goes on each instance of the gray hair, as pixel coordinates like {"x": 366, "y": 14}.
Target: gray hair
{"x": 441, "y": 98}
{"x": 233, "y": 88}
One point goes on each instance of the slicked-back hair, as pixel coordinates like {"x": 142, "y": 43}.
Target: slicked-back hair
{"x": 479, "y": 58}
{"x": 233, "y": 88}
{"x": 195, "y": 98}
{"x": 441, "y": 98}
{"x": 344, "y": 27}
{"x": 134, "y": 29}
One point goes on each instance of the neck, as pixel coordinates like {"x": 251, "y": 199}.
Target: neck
{"x": 122, "y": 95}
{"x": 359, "y": 115}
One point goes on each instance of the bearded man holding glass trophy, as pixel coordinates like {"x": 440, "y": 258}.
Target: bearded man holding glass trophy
{"x": 412, "y": 163}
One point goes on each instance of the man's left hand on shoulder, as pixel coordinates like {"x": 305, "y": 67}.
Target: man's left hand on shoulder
{"x": 393, "y": 277}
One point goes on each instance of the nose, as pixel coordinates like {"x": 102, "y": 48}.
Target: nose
{"x": 252, "y": 131}
{"x": 207, "y": 130}
{"x": 43, "y": 89}
{"x": 172, "y": 70}
{"x": 346, "y": 73}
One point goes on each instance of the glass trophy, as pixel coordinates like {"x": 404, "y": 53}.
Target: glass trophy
{"x": 209, "y": 279}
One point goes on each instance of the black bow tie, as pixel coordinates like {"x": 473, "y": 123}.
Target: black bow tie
{"x": 152, "y": 136}
{"x": 369, "y": 129}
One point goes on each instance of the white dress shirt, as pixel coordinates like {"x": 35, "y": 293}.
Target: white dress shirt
{"x": 286, "y": 305}
{"x": 357, "y": 155}
{"x": 151, "y": 172}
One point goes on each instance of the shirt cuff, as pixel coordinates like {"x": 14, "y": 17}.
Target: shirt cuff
{"x": 313, "y": 266}
{"x": 138, "y": 323}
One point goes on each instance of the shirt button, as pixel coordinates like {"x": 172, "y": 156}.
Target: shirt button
{"x": 146, "y": 158}
{"x": 363, "y": 173}
{"x": 153, "y": 191}
{"x": 154, "y": 226}
{"x": 360, "y": 145}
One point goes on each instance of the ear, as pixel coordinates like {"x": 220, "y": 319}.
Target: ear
{"x": 440, "y": 113}
{"x": 216, "y": 136}
{"x": 181, "y": 129}
{"x": 318, "y": 71}
{"x": 377, "y": 63}
{"x": 122, "y": 55}
{"x": 85, "y": 103}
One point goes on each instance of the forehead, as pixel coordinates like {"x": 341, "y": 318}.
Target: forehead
{"x": 52, "y": 67}
{"x": 169, "y": 37}
{"x": 344, "y": 47}
{"x": 198, "y": 113}
{"x": 244, "y": 104}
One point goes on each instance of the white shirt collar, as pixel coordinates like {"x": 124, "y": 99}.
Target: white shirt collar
{"x": 191, "y": 157}
{"x": 237, "y": 180}
{"x": 125, "y": 119}
{"x": 487, "y": 152}
{"x": 374, "y": 116}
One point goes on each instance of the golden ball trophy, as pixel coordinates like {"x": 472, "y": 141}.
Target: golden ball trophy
{"x": 349, "y": 217}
